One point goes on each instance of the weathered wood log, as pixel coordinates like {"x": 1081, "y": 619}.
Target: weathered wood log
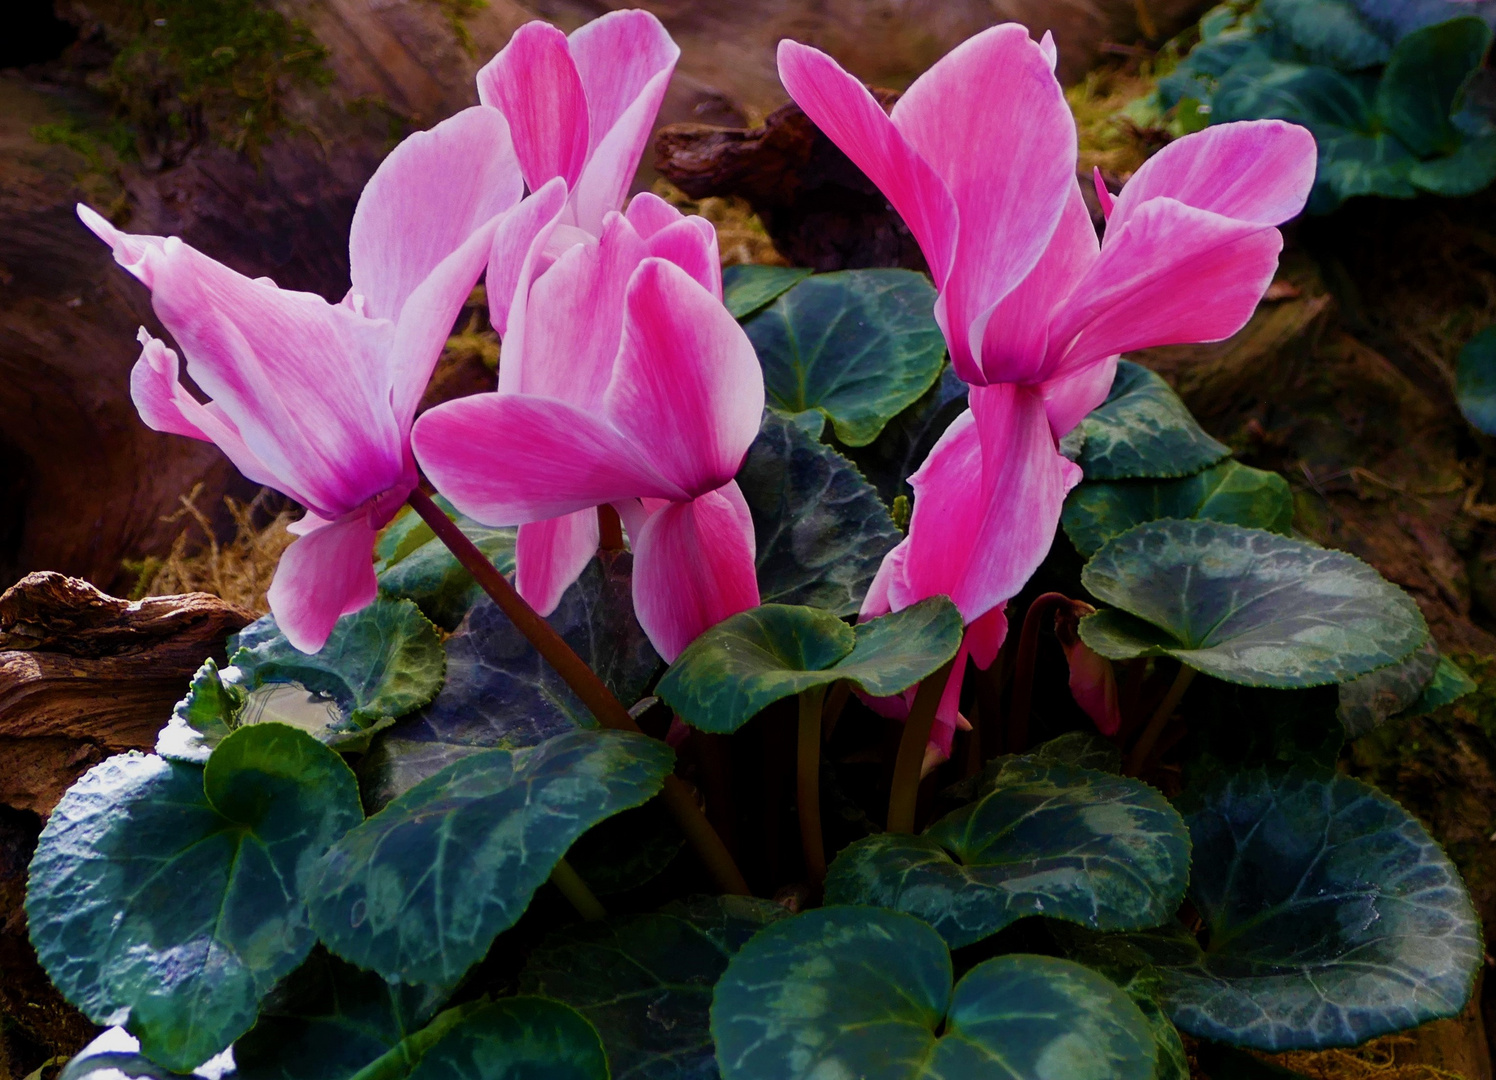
{"x": 84, "y": 675}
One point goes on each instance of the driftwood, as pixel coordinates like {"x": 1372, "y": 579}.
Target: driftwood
{"x": 84, "y": 675}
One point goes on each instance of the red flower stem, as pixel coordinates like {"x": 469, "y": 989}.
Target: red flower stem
{"x": 808, "y": 785}
{"x": 903, "y": 796}
{"x": 594, "y": 694}
{"x": 1023, "y": 676}
{"x": 1141, "y": 749}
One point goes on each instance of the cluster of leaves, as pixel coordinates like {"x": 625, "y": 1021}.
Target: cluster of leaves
{"x": 1395, "y": 93}
{"x": 322, "y": 861}
{"x": 191, "y": 69}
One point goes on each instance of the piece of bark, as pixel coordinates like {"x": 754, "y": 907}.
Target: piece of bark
{"x": 84, "y": 675}
{"x": 819, "y": 209}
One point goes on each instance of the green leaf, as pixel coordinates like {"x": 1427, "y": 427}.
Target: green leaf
{"x": 113, "y": 1054}
{"x": 1351, "y": 164}
{"x": 1231, "y": 728}
{"x": 167, "y": 896}
{"x": 516, "y": 1038}
{"x": 890, "y": 459}
{"x": 327, "y": 1020}
{"x": 1332, "y": 917}
{"x": 821, "y": 529}
{"x": 747, "y": 288}
{"x": 627, "y": 850}
{"x": 431, "y": 577}
{"x": 1328, "y": 32}
{"x": 204, "y": 718}
{"x": 1423, "y": 80}
{"x": 860, "y": 346}
{"x": 749, "y": 661}
{"x": 646, "y": 981}
{"x": 379, "y": 664}
{"x": 1229, "y": 492}
{"x": 500, "y": 694}
{"x": 1143, "y": 430}
{"x": 1469, "y": 169}
{"x": 1367, "y": 702}
{"x": 861, "y": 992}
{"x": 1450, "y": 683}
{"x": 1475, "y": 381}
{"x": 1246, "y": 606}
{"x": 1105, "y": 851}
{"x": 421, "y": 889}
{"x": 1319, "y": 98}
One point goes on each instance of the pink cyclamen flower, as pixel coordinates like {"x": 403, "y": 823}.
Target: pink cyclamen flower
{"x": 979, "y": 157}
{"x": 315, "y": 399}
{"x": 581, "y": 107}
{"x": 1093, "y": 680}
{"x": 649, "y": 406}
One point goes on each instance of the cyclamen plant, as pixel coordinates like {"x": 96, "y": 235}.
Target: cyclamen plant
{"x": 371, "y": 848}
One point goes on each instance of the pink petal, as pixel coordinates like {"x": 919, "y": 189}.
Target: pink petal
{"x": 891, "y": 569}
{"x": 506, "y": 459}
{"x": 687, "y": 388}
{"x": 693, "y": 567}
{"x": 842, "y": 107}
{"x": 948, "y": 502}
{"x": 691, "y": 244}
{"x": 1015, "y": 332}
{"x": 514, "y": 260}
{"x": 137, "y": 254}
{"x": 986, "y": 634}
{"x": 1093, "y": 681}
{"x": 1254, "y": 170}
{"x": 535, "y": 84}
{"x": 165, "y": 405}
{"x": 424, "y": 202}
{"x": 625, "y": 60}
{"x": 326, "y": 574}
{"x": 573, "y": 320}
{"x": 1170, "y": 274}
{"x": 306, "y": 383}
{"x": 1103, "y": 196}
{"x": 648, "y": 214}
{"x": 948, "y": 710}
{"x": 1048, "y": 48}
{"x": 1070, "y": 398}
{"x": 549, "y": 555}
{"x": 991, "y": 120}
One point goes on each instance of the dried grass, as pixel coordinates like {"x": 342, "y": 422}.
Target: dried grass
{"x": 1116, "y": 133}
{"x": 1376, "y": 1060}
{"x": 741, "y": 237}
{"x": 239, "y": 571}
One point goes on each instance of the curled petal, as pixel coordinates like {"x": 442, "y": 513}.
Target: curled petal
{"x": 687, "y": 388}
{"x": 1170, "y": 274}
{"x": 424, "y": 202}
{"x": 1093, "y": 680}
{"x": 549, "y": 555}
{"x": 322, "y": 576}
{"x": 535, "y": 84}
{"x": 890, "y": 570}
{"x": 1252, "y": 170}
{"x": 693, "y": 567}
{"x": 991, "y": 120}
{"x": 842, "y": 108}
{"x": 137, "y": 254}
{"x": 507, "y": 459}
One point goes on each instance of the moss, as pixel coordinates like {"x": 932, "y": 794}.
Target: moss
{"x": 189, "y": 69}
{"x": 102, "y": 150}
{"x": 458, "y": 12}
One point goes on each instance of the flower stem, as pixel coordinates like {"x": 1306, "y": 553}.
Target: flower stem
{"x": 565, "y": 878}
{"x": 592, "y": 691}
{"x": 808, "y": 785}
{"x": 1023, "y": 676}
{"x": 1144, "y": 746}
{"x": 904, "y": 794}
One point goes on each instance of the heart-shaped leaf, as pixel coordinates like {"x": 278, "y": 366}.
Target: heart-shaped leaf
{"x": 1246, "y": 606}
{"x": 421, "y": 889}
{"x": 1143, "y": 430}
{"x": 1332, "y": 917}
{"x": 1424, "y": 76}
{"x": 1229, "y": 492}
{"x": 859, "y": 346}
{"x": 748, "y": 288}
{"x": 1328, "y": 32}
{"x": 1450, "y": 683}
{"x": 500, "y": 694}
{"x": 1105, "y": 851}
{"x": 748, "y": 661}
{"x": 821, "y": 529}
{"x": 1121, "y": 962}
{"x": 861, "y": 992}
{"x": 379, "y": 664}
{"x": 627, "y": 850}
{"x": 327, "y": 1020}
{"x": 517, "y": 1038}
{"x": 1369, "y": 701}
{"x": 1475, "y": 380}
{"x": 430, "y": 575}
{"x": 167, "y": 896}
{"x": 646, "y": 981}
{"x": 1234, "y": 727}
{"x": 904, "y": 443}
{"x": 1469, "y": 169}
